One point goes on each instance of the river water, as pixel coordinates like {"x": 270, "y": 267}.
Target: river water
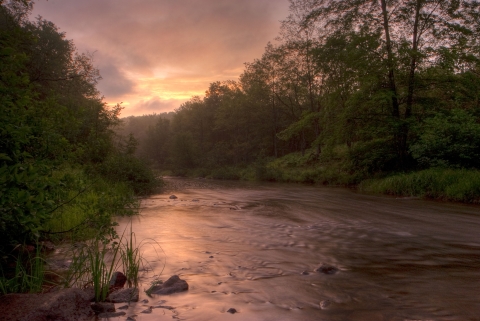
{"x": 254, "y": 247}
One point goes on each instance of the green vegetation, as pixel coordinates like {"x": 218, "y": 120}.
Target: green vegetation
{"x": 352, "y": 90}
{"x": 63, "y": 172}
{"x": 458, "y": 185}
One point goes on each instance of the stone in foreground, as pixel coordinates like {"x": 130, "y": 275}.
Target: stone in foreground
{"x": 124, "y": 295}
{"x": 103, "y": 307}
{"x": 118, "y": 280}
{"x": 64, "y": 305}
{"x": 173, "y": 285}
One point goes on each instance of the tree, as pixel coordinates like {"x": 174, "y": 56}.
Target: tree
{"x": 414, "y": 35}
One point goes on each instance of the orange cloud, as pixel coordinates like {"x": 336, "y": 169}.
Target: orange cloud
{"x": 163, "y": 51}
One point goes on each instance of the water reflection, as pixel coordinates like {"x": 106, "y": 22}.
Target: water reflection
{"x": 254, "y": 247}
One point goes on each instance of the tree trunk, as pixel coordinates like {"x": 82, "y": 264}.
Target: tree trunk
{"x": 391, "y": 74}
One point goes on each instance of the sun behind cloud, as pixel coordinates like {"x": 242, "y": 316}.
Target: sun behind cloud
{"x": 158, "y": 54}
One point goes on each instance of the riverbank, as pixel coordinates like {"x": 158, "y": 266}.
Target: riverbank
{"x": 445, "y": 184}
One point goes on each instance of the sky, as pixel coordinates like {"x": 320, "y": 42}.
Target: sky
{"x": 154, "y": 55}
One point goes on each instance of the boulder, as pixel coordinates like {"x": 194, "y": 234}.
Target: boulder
{"x": 173, "y": 197}
{"x": 172, "y": 285}
{"x": 63, "y": 305}
{"x": 124, "y": 295}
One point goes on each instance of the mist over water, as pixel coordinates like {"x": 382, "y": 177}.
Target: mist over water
{"x": 255, "y": 247}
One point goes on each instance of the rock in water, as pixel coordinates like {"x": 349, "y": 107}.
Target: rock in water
{"x": 124, "y": 295}
{"x": 327, "y": 269}
{"x": 64, "y": 305}
{"x": 232, "y": 311}
{"x": 325, "y": 304}
{"x": 118, "y": 280}
{"x": 172, "y": 285}
{"x": 173, "y": 197}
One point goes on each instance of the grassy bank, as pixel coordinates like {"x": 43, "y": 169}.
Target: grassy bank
{"x": 457, "y": 185}
{"x": 335, "y": 167}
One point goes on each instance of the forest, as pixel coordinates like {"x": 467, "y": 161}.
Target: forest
{"x": 63, "y": 171}
{"x": 349, "y": 91}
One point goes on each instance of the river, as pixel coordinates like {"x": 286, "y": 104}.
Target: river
{"x": 254, "y": 247}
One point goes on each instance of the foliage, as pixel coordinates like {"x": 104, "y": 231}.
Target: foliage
{"x": 54, "y": 125}
{"x": 28, "y": 272}
{"x": 126, "y": 168}
{"x": 373, "y": 156}
{"x": 459, "y": 185}
{"x": 449, "y": 139}
{"x": 394, "y": 83}
{"x": 91, "y": 203}
{"x": 94, "y": 262}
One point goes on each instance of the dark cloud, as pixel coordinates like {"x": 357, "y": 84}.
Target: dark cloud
{"x": 114, "y": 83}
{"x": 206, "y": 39}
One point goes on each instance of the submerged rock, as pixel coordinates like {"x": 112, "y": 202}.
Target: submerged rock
{"x": 173, "y": 197}
{"x": 172, "y": 285}
{"x": 327, "y": 269}
{"x": 325, "y": 304}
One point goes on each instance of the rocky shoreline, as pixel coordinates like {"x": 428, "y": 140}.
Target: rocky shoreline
{"x": 78, "y": 304}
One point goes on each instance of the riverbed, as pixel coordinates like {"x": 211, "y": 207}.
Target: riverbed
{"x": 254, "y": 247}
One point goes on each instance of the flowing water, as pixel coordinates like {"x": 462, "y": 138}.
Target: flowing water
{"x": 254, "y": 247}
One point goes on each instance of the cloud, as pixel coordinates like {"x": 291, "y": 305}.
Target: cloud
{"x": 114, "y": 82}
{"x": 200, "y": 40}
{"x": 155, "y": 105}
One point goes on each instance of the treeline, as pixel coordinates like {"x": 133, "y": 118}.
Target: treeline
{"x": 380, "y": 86}
{"x": 61, "y": 168}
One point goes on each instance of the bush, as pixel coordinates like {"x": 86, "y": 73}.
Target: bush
{"x": 459, "y": 185}
{"x": 128, "y": 169}
{"x": 373, "y": 156}
{"x": 451, "y": 139}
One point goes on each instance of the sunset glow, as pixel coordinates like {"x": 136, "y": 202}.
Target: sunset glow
{"x": 155, "y": 55}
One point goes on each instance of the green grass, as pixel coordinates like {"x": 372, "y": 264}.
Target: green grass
{"x": 458, "y": 185}
{"x": 94, "y": 262}
{"x": 27, "y": 274}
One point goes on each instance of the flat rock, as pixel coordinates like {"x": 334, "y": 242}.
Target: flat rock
{"x": 173, "y": 285}
{"x": 111, "y": 314}
{"x": 103, "y": 307}
{"x": 63, "y": 305}
{"x": 124, "y": 295}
